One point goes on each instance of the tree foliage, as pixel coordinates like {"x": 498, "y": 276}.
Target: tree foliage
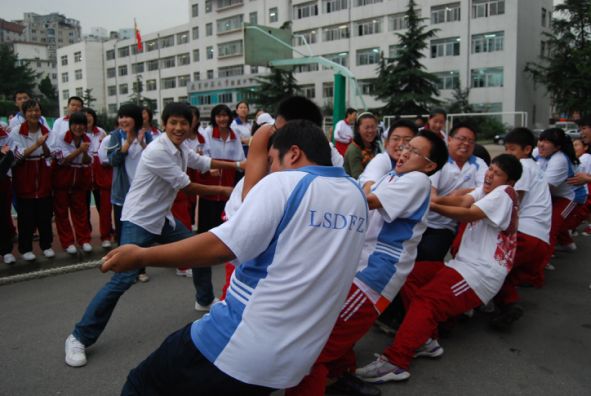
{"x": 566, "y": 67}
{"x": 404, "y": 84}
{"x": 49, "y": 99}
{"x": 279, "y": 84}
{"x": 88, "y": 98}
{"x": 14, "y": 76}
{"x": 460, "y": 102}
{"x": 137, "y": 96}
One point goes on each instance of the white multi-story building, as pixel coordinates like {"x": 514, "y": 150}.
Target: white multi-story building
{"x": 481, "y": 44}
{"x": 37, "y": 57}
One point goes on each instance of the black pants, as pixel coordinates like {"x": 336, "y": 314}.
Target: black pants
{"x": 117, "y": 214}
{"x": 178, "y": 368}
{"x": 434, "y": 244}
{"x": 34, "y": 214}
{"x": 6, "y": 230}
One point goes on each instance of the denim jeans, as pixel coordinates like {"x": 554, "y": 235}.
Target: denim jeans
{"x": 98, "y": 312}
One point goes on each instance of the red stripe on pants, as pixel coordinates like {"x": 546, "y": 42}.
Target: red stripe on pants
{"x": 574, "y": 219}
{"x": 71, "y": 204}
{"x": 434, "y": 303}
{"x": 421, "y": 274}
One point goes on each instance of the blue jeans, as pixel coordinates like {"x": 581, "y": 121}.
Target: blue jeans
{"x": 98, "y": 312}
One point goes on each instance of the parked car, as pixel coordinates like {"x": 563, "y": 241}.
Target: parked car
{"x": 573, "y": 133}
{"x": 500, "y": 139}
{"x": 565, "y": 125}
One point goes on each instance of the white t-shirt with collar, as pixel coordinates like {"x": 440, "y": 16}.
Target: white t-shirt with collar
{"x": 218, "y": 148}
{"x": 161, "y": 173}
{"x": 535, "y": 209}
{"x": 488, "y": 246}
{"x": 379, "y": 166}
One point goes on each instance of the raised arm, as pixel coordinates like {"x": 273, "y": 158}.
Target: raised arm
{"x": 257, "y": 165}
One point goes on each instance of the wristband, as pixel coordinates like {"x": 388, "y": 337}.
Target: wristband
{"x": 237, "y": 165}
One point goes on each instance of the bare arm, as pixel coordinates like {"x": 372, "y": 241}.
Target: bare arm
{"x": 578, "y": 179}
{"x": 464, "y": 201}
{"x": 257, "y": 164}
{"x": 473, "y": 213}
{"x": 203, "y": 189}
{"x": 367, "y": 187}
{"x": 198, "y": 251}
{"x": 373, "y": 201}
{"x": 215, "y": 164}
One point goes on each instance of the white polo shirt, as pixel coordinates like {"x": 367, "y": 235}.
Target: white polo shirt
{"x": 450, "y": 178}
{"x": 298, "y": 253}
{"x": 218, "y": 148}
{"x": 488, "y": 246}
{"x": 379, "y": 166}
{"x": 161, "y": 173}
{"x": 557, "y": 169}
{"x": 535, "y": 209}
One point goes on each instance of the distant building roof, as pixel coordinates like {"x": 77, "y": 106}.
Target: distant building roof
{"x": 11, "y": 26}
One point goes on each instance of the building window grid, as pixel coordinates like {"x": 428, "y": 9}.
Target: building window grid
{"x": 544, "y": 16}
{"x": 195, "y": 33}
{"x": 221, "y": 4}
{"x": 230, "y": 24}
{"x": 151, "y": 45}
{"x": 183, "y": 80}
{"x": 209, "y": 53}
{"x": 368, "y": 56}
{"x": 397, "y": 22}
{"x": 225, "y": 97}
{"x": 123, "y": 52}
{"x": 209, "y": 74}
{"x": 329, "y": 6}
{"x": 309, "y": 91}
{"x": 327, "y": 89}
{"x": 123, "y": 70}
{"x": 151, "y": 85}
{"x": 183, "y": 59}
{"x": 195, "y": 10}
{"x": 487, "y": 42}
{"x": 253, "y": 17}
{"x": 208, "y": 6}
{"x": 337, "y": 32}
{"x": 78, "y": 74}
{"x": 231, "y": 48}
{"x": 486, "y": 8}
{"x": 305, "y": 10}
{"x": 230, "y": 71}
{"x": 448, "y": 80}
{"x": 167, "y": 63}
{"x": 209, "y": 29}
{"x": 342, "y": 58}
{"x": 112, "y": 90}
{"x": 65, "y": 94}
{"x": 487, "y": 77}
{"x": 77, "y": 57}
{"x": 123, "y": 89}
{"x": 196, "y": 55}
{"x": 446, "y": 13}
{"x": 310, "y": 37}
{"x": 445, "y": 47}
{"x": 168, "y": 83}
{"x": 166, "y": 42}
{"x": 306, "y": 68}
{"x": 111, "y": 72}
{"x": 152, "y": 64}
{"x": 361, "y": 3}
{"x": 367, "y": 87}
{"x": 64, "y": 60}
{"x": 369, "y": 26}
{"x": 182, "y": 38}
{"x": 137, "y": 67}
{"x": 65, "y": 77}
{"x": 273, "y": 14}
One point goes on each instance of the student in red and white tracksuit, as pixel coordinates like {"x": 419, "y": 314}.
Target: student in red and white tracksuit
{"x": 32, "y": 181}
{"x": 343, "y": 131}
{"x": 102, "y": 178}
{"x": 62, "y": 124}
{"x": 72, "y": 181}
{"x": 148, "y": 123}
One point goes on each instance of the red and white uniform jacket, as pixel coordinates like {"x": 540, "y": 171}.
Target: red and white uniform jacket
{"x": 74, "y": 175}
{"x": 102, "y": 174}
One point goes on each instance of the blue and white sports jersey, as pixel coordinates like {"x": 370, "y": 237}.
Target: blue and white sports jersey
{"x": 298, "y": 237}
{"x": 394, "y": 231}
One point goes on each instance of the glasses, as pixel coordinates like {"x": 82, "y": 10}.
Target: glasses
{"x": 396, "y": 138}
{"x": 463, "y": 139}
{"x": 412, "y": 150}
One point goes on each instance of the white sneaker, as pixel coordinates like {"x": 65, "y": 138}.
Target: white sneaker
{"x": 75, "y": 352}
{"x": 9, "y": 258}
{"x": 71, "y": 249}
{"x": 29, "y": 256}
{"x": 87, "y": 247}
{"x": 549, "y": 267}
{"x": 381, "y": 370}
{"x": 106, "y": 244}
{"x": 186, "y": 273}
{"x": 49, "y": 253}
{"x": 430, "y": 349}
{"x": 205, "y": 308}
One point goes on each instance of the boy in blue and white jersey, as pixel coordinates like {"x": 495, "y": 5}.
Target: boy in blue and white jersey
{"x": 298, "y": 253}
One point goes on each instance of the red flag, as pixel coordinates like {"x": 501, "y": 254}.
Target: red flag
{"x": 138, "y": 37}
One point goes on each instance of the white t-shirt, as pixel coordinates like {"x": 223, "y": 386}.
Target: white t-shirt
{"x": 335, "y": 157}
{"x": 103, "y": 153}
{"x": 379, "y": 166}
{"x": 585, "y": 166}
{"x": 393, "y": 233}
{"x": 451, "y": 178}
{"x": 298, "y": 253}
{"x": 161, "y": 173}
{"x": 343, "y": 133}
{"x": 556, "y": 170}
{"x": 535, "y": 209}
{"x": 488, "y": 246}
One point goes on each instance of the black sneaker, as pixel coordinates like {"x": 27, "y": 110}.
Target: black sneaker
{"x": 348, "y": 384}
{"x": 505, "y": 318}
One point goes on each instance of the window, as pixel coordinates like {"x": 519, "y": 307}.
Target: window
{"x": 110, "y": 54}
{"x": 305, "y": 68}
{"x": 487, "y": 77}
{"x": 209, "y": 74}
{"x": 544, "y": 17}
{"x": 134, "y": 50}
{"x": 204, "y": 99}
{"x": 208, "y": 29}
{"x": 273, "y": 14}
{"x": 150, "y": 85}
{"x": 78, "y": 74}
{"x": 225, "y": 97}
{"x": 184, "y": 80}
{"x": 445, "y": 47}
{"x": 65, "y": 77}
{"x": 167, "y": 63}
{"x": 168, "y": 83}
{"x": 123, "y": 52}
{"x": 253, "y": 17}
{"x": 486, "y": 8}
{"x": 195, "y": 33}
{"x": 231, "y": 48}
{"x": 111, "y": 72}
{"x": 64, "y": 60}
{"x": 360, "y": 3}
{"x": 65, "y": 94}
{"x": 305, "y": 10}
{"x": 135, "y": 86}
{"x": 195, "y": 10}
{"x": 196, "y": 76}
{"x": 151, "y": 45}
{"x": 309, "y": 91}
{"x": 342, "y": 58}
{"x": 80, "y": 91}
{"x": 394, "y": 51}
{"x": 368, "y": 26}
{"x": 445, "y": 13}
{"x": 183, "y": 59}
{"x": 367, "y": 87}
{"x": 123, "y": 70}
{"x": 111, "y": 90}
{"x": 77, "y": 57}
{"x": 152, "y": 64}
{"x": 123, "y": 89}
{"x": 229, "y": 24}
{"x": 448, "y": 79}
{"x": 308, "y": 35}
{"x": 228, "y": 3}
{"x": 112, "y": 108}
{"x": 487, "y": 42}
{"x": 368, "y": 56}
{"x": 229, "y": 71}
{"x": 166, "y": 101}
{"x": 488, "y": 108}
{"x": 329, "y": 6}
{"x": 254, "y": 69}
{"x": 397, "y": 22}
{"x": 137, "y": 67}
{"x": 167, "y": 41}
{"x": 208, "y": 6}
{"x": 327, "y": 90}
{"x": 336, "y": 32}
{"x": 182, "y": 38}
{"x": 209, "y": 52}
{"x": 196, "y": 55}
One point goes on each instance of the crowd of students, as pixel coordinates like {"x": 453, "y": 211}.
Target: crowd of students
{"x": 378, "y": 246}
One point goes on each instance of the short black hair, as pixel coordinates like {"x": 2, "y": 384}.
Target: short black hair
{"x": 241, "y": 102}
{"x": 463, "y": 124}
{"x": 438, "y": 153}
{"x": 20, "y": 91}
{"x": 299, "y": 108}
{"x": 585, "y": 121}
{"x": 308, "y": 137}
{"x": 30, "y": 104}
{"x": 403, "y": 124}
{"x": 481, "y": 152}
{"x": 522, "y": 137}
{"x": 133, "y": 111}
{"x": 177, "y": 109}
{"x": 217, "y": 110}
{"x": 510, "y": 165}
{"x": 149, "y": 111}
{"x": 437, "y": 111}
{"x": 78, "y": 98}
{"x": 78, "y": 118}
{"x": 195, "y": 111}
{"x": 92, "y": 113}
{"x": 375, "y": 145}
{"x": 561, "y": 140}
{"x": 350, "y": 110}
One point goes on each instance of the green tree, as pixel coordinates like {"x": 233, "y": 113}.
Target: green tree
{"x": 47, "y": 88}
{"x": 460, "y": 102}
{"x": 565, "y": 69}
{"x": 49, "y": 100}
{"x": 14, "y": 75}
{"x": 404, "y": 84}
{"x": 88, "y": 98}
{"x": 137, "y": 97}
{"x": 279, "y": 84}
